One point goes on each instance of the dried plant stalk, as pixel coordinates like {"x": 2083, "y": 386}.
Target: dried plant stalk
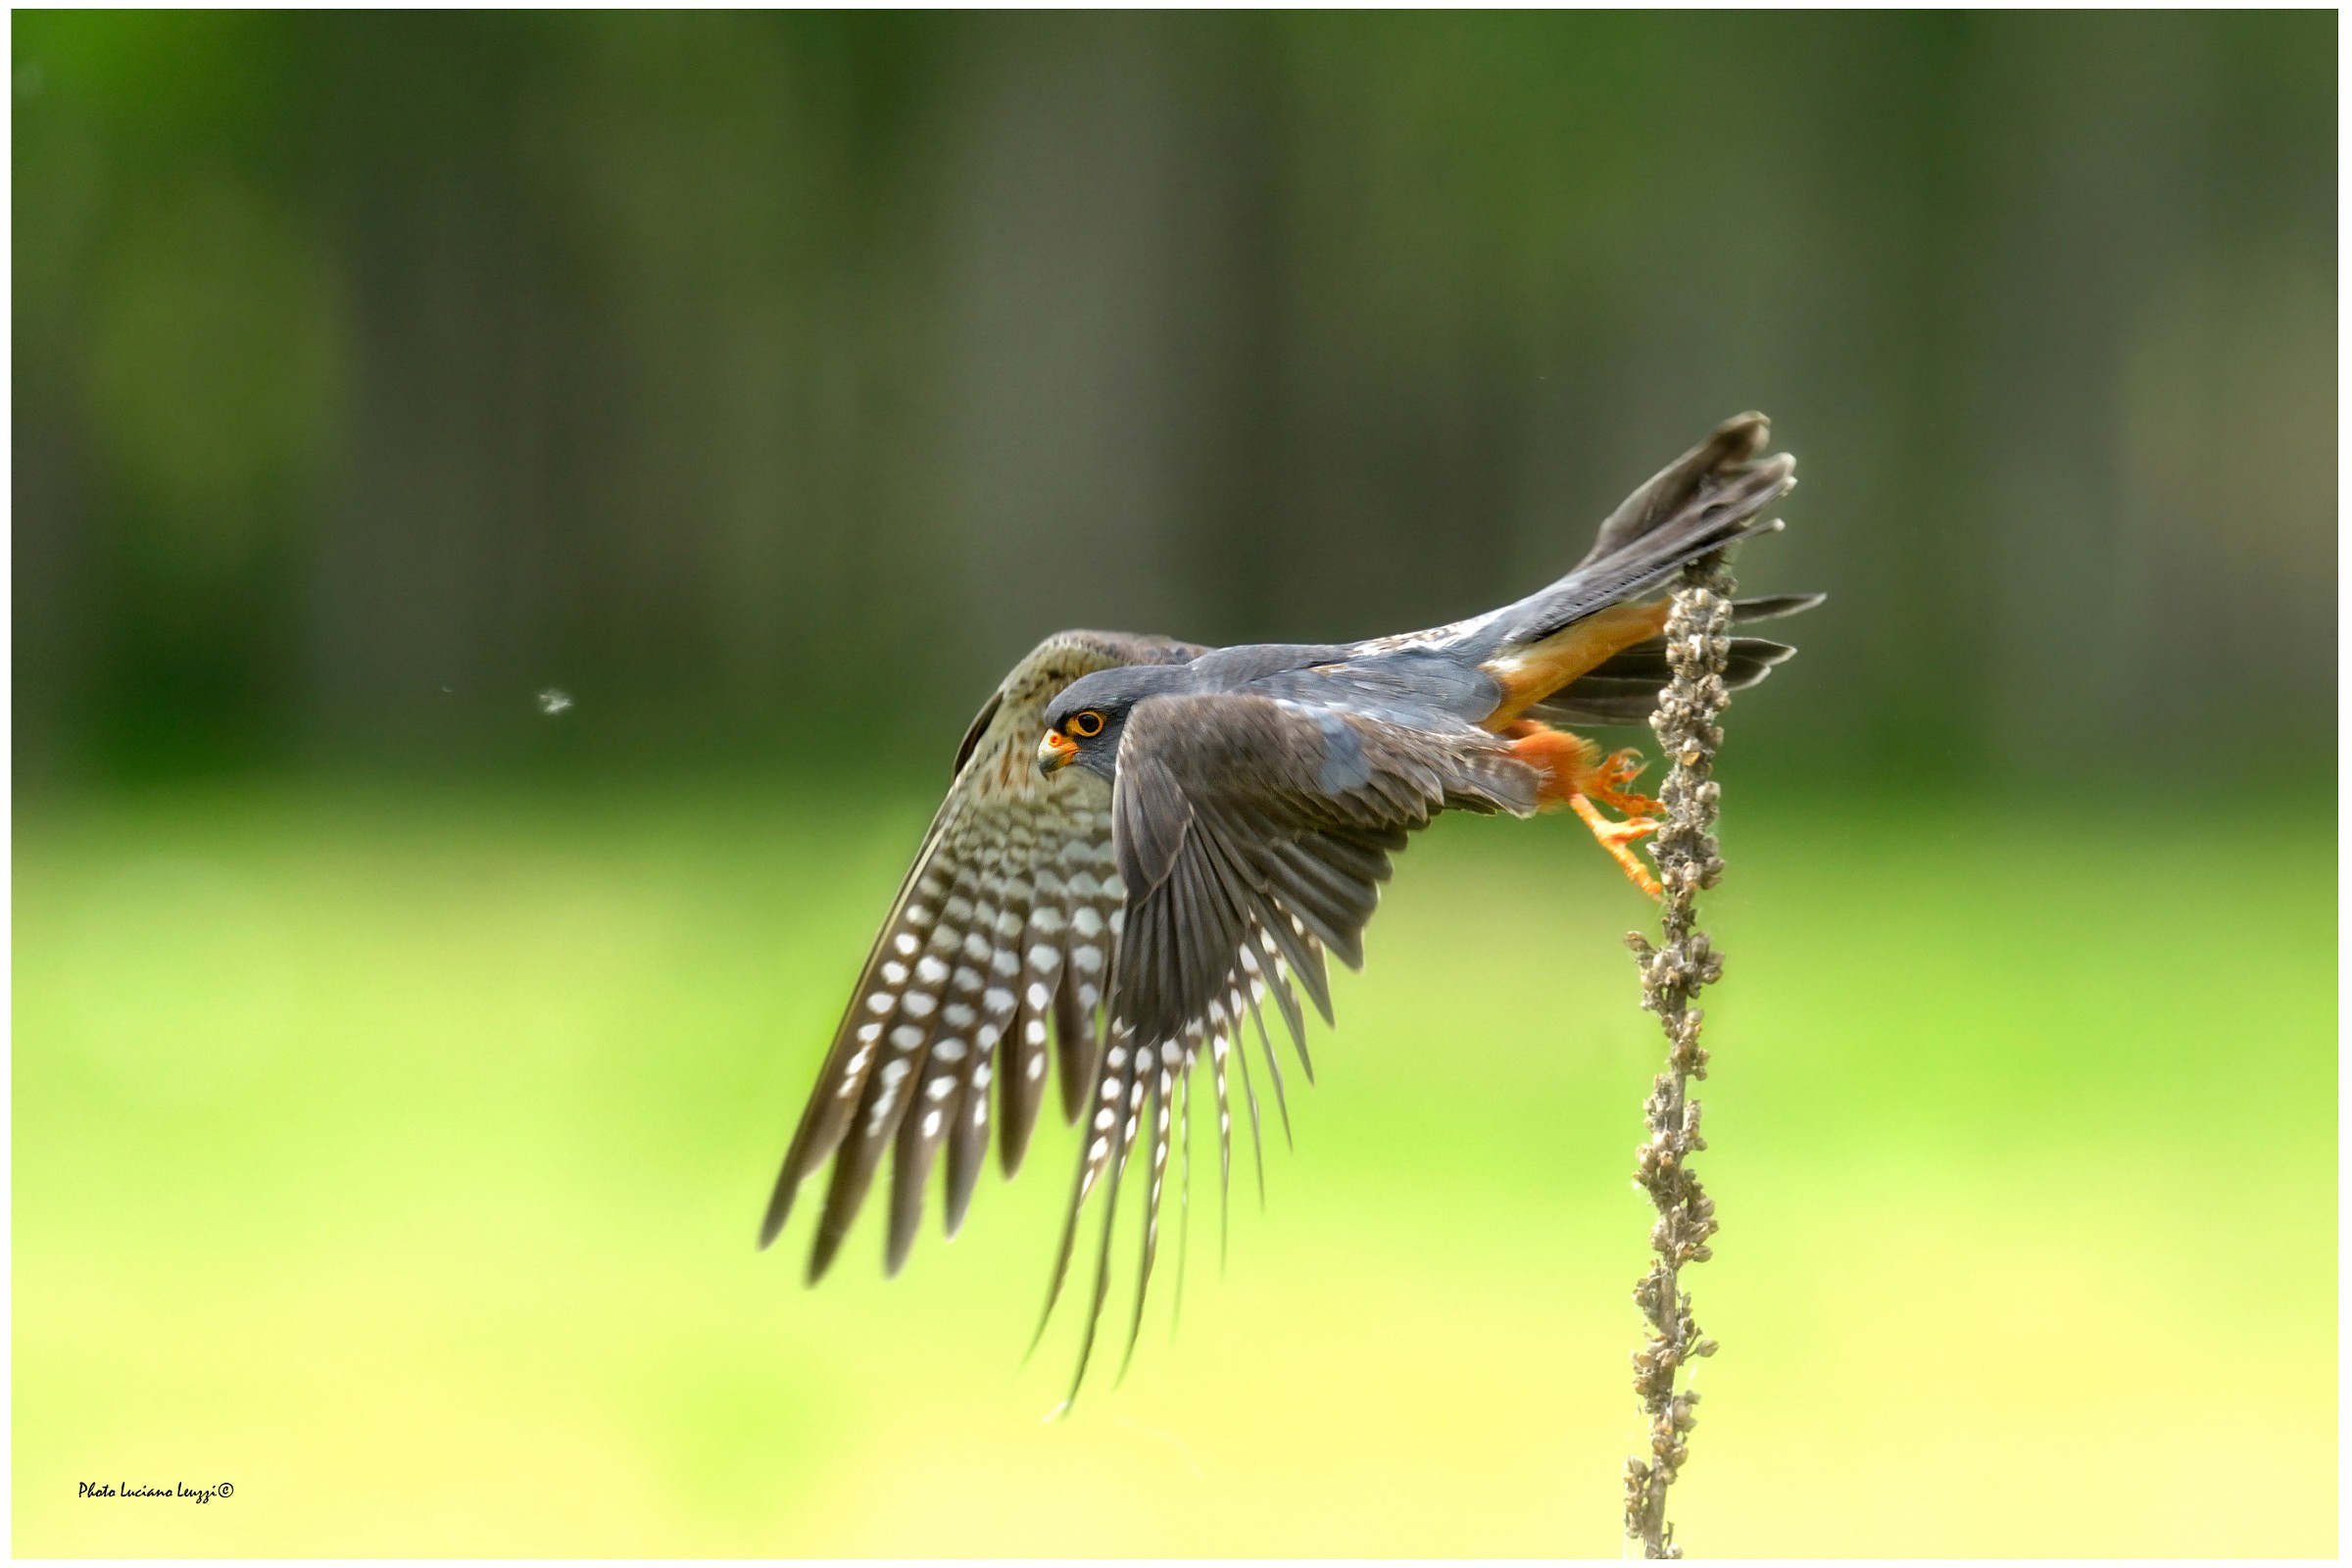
{"x": 1699, "y": 642}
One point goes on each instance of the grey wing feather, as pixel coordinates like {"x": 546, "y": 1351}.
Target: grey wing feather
{"x": 984, "y": 956}
{"x": 1240, "y": 871}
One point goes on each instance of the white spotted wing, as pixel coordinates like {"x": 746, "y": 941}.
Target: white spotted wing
{"x": 994, "y": 959}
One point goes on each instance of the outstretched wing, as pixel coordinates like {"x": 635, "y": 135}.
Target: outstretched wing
{"x": 1252, "y": 834}
{"x": 1005, "y": 929}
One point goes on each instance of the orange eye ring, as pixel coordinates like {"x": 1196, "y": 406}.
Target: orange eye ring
{"x": 1085, "y": 725}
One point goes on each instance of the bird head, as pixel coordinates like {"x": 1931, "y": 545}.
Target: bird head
{"x": 1084, "y": 723}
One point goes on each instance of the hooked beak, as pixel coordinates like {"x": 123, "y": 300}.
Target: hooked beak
{"x": 1055, "y": 751}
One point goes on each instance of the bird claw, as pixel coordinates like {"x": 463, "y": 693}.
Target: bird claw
{"x": 1619, "y": 837}
{"x": 1606, "y": 784}
{"x": 1572, "y": 779}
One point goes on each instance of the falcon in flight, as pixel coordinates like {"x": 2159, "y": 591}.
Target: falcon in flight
{"x": 1148, "y": 843}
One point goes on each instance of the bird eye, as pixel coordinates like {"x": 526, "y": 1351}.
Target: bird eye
{"x": 1085, "y": 725}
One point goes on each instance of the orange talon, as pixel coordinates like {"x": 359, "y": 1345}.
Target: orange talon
{"x": 1572, "y": 777}
{"x": 1606, "y": 784}
{"x": 1618, "y": 838}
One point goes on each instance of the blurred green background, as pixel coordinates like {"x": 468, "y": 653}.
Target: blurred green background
{"x": 399, "y": 1067}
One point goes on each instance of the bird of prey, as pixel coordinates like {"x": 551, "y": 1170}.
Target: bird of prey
{"x": 1148, "y": 842}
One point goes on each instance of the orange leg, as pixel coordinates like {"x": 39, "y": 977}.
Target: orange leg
{"x": 1618, "y": 838}
{"x": 1577, "y": 776}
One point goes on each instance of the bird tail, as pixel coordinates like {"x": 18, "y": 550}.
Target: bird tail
{"x": 1711, "y": 497}
{"x": 1623, "y": 688}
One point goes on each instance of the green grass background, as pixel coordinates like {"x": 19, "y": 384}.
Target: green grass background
{"x": 396, "y": 1158}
